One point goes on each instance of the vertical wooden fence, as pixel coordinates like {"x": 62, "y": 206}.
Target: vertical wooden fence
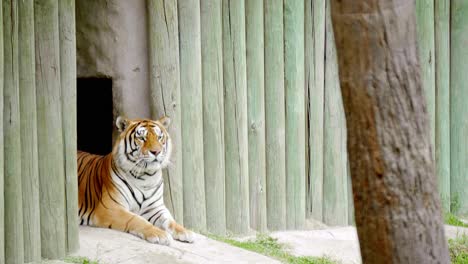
{"x": 257, "y": 118}
{"x": 458, "y": 108}
{"x": 253, "y": 157}
{"x": 38, "y": 210}
{"x": 442, "y": 32}
{"x": 262, "y": 79}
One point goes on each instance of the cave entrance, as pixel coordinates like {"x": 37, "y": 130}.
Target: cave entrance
{"x": 94, "y": 115}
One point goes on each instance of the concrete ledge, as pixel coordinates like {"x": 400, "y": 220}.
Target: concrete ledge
{"x": 111, "y": 247}
{"x": 339, "y": 243}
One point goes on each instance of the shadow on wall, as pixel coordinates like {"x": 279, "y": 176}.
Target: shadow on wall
{"x": 94, "y": 115}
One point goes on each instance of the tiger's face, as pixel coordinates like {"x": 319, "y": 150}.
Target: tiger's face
{"x": 143, "y": 147}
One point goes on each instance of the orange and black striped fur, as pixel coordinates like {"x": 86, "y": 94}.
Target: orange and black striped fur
{"x": 124, "y": 189}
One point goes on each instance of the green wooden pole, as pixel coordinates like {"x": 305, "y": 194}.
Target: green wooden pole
{"x": 315, "y": 54}
{"x": 351, "y": 217}
{"x": 295, "y": 114}
{"x": 49, "y": 130}
{"x": 165, "y": 92}
{"x": 425, "y": 27}
{"x": 275, "y": 116}
{"x": 458, "y": 109}
{"x": 256, "y": 114}
{"x": 235, "y": 117}
{"x": 442, "y": 115}
{"x": 68, "y": 83}
{"x": 335, "y": 200}
{"x": 12, "y": 142}
{"x": 2, "y": 182}
{"x": 29, "y": 166}
{"x": 213, "y": 114}
{"x": 192, "y": 114}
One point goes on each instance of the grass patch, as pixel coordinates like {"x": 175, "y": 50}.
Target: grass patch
{"x": 458, "y": 248}
{"x": 451, "y": 219}
{"x": 269, "y": 246}
{"x": 79, "y": 260}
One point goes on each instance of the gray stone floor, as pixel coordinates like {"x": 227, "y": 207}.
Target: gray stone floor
{"x": 340, "y": 243}
{"x": 112, "y": 247}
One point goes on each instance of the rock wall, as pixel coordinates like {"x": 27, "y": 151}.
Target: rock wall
{"x": 111, "y": 40}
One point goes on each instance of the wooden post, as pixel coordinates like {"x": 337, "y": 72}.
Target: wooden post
{"x": 192, "y": 114}
{"x": 442, "y": 115}
{"x": 165, "y": 91}
{"x": 12, "y": 142}
{"x": 68, "y": 83}
{"x": 458, "y": 110}
{"x": 213, "y": 114}
{"x": 275, "y": 116}
{"x": 425, "y": 28}
{"x": 335, "y": 200}
{"x": 316, "y": 45}
{"x": 235, "y": 117}
{"x": 29, "y": 166}
{"x": 351, "y": 217}
{"x": 256, "y": 114}
{"x": 315, "y": 66}
{"x": 2, "y": 197}
{"x": 295, "y": 114}
{"x": 49, "y": 130}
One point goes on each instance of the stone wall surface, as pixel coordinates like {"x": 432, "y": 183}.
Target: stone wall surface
{"x": 111, "y": 40}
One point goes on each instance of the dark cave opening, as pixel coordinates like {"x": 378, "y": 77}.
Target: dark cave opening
{"x": 94, "y": 115}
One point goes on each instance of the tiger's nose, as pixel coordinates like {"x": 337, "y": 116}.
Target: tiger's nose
{"x": 155, "y": 152}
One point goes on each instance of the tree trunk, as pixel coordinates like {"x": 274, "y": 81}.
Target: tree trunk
{"x": 163, "y": 35}
{"x": 398, "y": 213}
{"x": 213, "y": 114}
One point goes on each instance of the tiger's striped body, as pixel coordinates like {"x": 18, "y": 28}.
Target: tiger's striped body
{"x": 124, "y": 189}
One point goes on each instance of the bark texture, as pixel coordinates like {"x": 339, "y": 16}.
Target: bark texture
{"x": 398, "y": 212}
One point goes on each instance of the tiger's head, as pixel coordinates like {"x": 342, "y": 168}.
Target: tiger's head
{"x": 143, "y": 147}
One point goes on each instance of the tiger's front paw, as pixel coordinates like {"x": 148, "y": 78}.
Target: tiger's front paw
{"x": 180, "y": 233}
{"x": 184, "y": 236}
{"x": 160, "y": 237}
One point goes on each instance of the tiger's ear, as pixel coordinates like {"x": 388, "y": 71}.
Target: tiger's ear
{"x": 165, "y": 121}
{"x": 121, "y": 123}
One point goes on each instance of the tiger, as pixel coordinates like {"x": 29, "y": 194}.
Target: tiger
{"x": 123, "y": 190}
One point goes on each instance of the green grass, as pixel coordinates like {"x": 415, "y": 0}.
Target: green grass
{"x": 269, "y": 246}
{"x": 458, "y": 248}
{"x": 451, "y": 219}
{"x": 79, "y": 260}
